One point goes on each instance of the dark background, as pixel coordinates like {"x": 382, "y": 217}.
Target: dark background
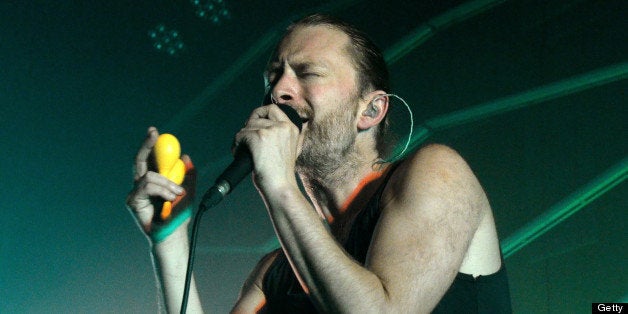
{"x": 80, "y": 81}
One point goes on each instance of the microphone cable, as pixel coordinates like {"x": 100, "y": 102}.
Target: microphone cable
{"x": 211, "y": 198}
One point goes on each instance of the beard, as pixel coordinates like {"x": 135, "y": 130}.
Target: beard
{"x": 329, "y": 142}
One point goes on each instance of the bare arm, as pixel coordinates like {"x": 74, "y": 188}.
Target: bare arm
{"x": 169, "y": 256}
{"x": 170, "y": 259}
{"x": 432, "y": 208}
{"x": 429, "y": 219}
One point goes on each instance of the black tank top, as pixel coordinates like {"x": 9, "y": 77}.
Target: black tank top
{"x": 484, "y": 294}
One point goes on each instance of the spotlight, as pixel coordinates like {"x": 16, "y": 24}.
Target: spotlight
{"x": 213, "y": 10}
{"x": 166, "y": 40}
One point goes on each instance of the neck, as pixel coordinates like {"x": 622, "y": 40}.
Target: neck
{"x": 339, "y": 194}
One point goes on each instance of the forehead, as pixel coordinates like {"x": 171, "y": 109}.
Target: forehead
{"x": 319, "y": 44}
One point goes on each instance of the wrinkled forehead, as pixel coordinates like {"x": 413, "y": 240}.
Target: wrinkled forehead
{"x": 312, "y": 44}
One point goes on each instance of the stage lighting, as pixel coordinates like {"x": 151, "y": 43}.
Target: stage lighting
{"x": 166, "y": 40}
{"x": 213, "y": 10}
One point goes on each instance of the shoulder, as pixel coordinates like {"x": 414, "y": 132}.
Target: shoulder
{"x": 434, "y": 156}
{"x": 434, "y": 164}
{"x": 434, "y": 174}
{"x": 430, "y": 211}
{"x": 252, "y": 296}
{"x": 258, "y": 273}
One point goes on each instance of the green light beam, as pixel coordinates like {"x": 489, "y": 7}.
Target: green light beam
{"x": 410, "y": 42}
{"x": 396, "y": 52}
{"x": 391, "y": 55}
{"x": 565, "y": 208}
{"x": 538, "y": 95}
{"x": 545, "y": 93}
{"x": 427, "y": 30}
{"x": 221, "y": 82}
{"x": 227, "y": 77}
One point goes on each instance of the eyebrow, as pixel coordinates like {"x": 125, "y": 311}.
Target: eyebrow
{"x": 297, "y": 66}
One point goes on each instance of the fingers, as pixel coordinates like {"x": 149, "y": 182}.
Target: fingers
{"x": 260, "y": 112}
{"x": 186, "y": 159}
{"x": 155, "y": 184}
{"x": 265, "y": 117}
{"x": 269, "y": 112}
{"x": 150, "y": 185}
{"x": 269, "y": 135}
{"x": 258, "y": 120}
{"x": 141, "y": 159}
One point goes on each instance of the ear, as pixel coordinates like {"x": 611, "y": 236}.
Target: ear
{"x": 373, "y": 110}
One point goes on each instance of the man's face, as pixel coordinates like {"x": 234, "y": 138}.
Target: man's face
{"x": 313, "y": 73}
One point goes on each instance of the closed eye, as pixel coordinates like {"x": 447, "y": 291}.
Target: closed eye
{"x": 308, "y": 75}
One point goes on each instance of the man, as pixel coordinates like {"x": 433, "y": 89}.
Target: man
{"x": 412, "y": 236}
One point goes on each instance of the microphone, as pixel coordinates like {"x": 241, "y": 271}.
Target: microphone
{"x": 241, "y": 166}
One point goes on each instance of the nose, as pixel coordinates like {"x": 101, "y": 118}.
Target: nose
{"x": 286, "y": 88}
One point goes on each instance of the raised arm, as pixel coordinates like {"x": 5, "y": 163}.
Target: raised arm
{"x": 431, "y": 210}
{"x": 170, "y": 249}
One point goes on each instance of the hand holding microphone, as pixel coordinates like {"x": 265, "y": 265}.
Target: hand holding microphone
{"x": 158, "y": 202}
{"x": 174, "y": 170}
{"x": 241, "y": 166}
